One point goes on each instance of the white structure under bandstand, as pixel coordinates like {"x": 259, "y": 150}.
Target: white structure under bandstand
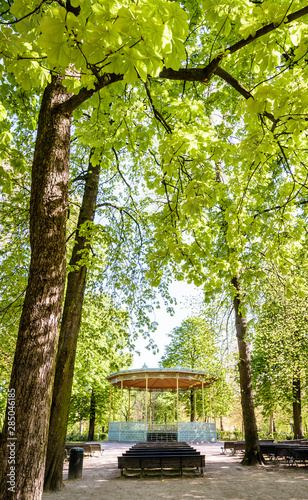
{"x": 159, "y": 379}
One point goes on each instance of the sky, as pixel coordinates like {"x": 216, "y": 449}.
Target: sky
{"x": 182, "y": 292}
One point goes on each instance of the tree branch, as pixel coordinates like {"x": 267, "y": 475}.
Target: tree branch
{"x": 267, "y": 29}
{"x": 77, "y": 99}
{"x": 204, "y": 74}
{"x": 241, "y": 89}
{"x": 24, "y": 17}
{"x": 189, "y": 74}
{"x": 233, "y": 82}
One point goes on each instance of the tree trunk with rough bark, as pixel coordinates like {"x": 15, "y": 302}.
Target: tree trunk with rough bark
{"x": 34, "y": 361}
{"x": 297, "y": 408}
{"x": 252, "y": 449}
{"x": 70, "y": 325}
{"x": 92, "y": 416}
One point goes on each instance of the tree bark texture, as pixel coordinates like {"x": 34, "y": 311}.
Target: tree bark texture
{"x": 252, "y": 450}
{"x": 297, "y": 408}
{"x": 70, "y": 325}
{"x": 34, "y": 361}
{"x": 92, "y": 416}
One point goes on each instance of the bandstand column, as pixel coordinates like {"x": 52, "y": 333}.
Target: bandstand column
{"x": 121, "y": 402}
{"x": 150, "y": 416}
{"x": 146, "y": 401}
{"x": 177, "y": 402}
{"x": 210, "y": 402}
{"x": 128, "y": 413}
{"x": 114, "y": 389}
{"x": 173, "y": 408}
{"x": 110, "y": 404}
{"x": 203, "y": 415}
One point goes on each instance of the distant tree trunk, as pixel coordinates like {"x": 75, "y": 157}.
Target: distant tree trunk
{"x": 192, "y": 406}
{"x": 297, "y": 408}
{"x": 34, "y": 361}
{"x": 92, "y": 416}
{"x": 70, "y": 325}
{"x": 271, "y": 424}
{"x": 221, "y": 424}
{"x": 252, "y": 449}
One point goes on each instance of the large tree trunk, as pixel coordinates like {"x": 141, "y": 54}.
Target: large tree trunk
{"x": 297, "y": 408}
{"x": 252, "y": 450}
{"x": 70, "y": 325}
{"x": 34, "y": 361}
{"x": 92, "y": 416}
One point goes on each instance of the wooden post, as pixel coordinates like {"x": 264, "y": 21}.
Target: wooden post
{"x": 195, "y": 404}
{"x": 121, "y": 402}
{"x": 173, "y": 409}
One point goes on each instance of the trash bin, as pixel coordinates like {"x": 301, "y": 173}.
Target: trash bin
{"x": 76, "y": 463}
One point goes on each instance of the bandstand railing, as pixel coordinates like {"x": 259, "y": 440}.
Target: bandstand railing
{"x": 161, "y": 426}
{"x": 184, "y": 431}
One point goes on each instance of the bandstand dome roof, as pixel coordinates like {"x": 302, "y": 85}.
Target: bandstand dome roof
{"x": 161, "y": 378}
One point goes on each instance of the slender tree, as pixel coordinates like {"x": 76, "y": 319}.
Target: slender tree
{"x": 280, "y": 354}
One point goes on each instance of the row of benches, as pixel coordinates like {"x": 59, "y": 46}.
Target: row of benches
{"x": 293, "y": 451}
{"x": 93, "y": 449}
{"x": 161, "y": 456}
{"x": 235, "y": 446}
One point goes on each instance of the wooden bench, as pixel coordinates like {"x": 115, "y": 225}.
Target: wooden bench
{"x": 228, "y": 445}
{"x": 238, "y": 446}
{"x": 153, "y": 457}
{"x": 299, "y": 454}
{"x": 292, "y": 453}
{"x": 167, "y": 445}
{"x": 235, "y": 446}
{"x": 88, "y": 449}
{"x": 96, "y": 448}
{"x": 268, "y": 449}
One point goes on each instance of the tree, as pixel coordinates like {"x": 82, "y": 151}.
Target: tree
{"x": 49, "y": 193}
{"x": 195, "y": 345}
{"x": 103, "y": 347}
{"x": 70, "y": 324}
{"x": 280, "y": 354}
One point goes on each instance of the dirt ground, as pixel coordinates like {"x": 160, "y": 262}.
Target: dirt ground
{"x": 224, "y": 478}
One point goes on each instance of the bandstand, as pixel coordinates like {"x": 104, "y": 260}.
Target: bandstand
{"x": 159, "y": 379}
